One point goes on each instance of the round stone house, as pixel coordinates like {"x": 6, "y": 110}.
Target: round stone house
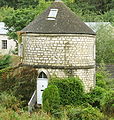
{"x": 58, "y": 43}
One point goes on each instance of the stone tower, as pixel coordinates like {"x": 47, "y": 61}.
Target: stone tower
{"x": 58, "y": 43}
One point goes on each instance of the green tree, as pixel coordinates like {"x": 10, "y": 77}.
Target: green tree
{"x": 100, "y": 6}
{"x": 105, "y": 45}
{"x": 51, "y": 99}
{"x": 19, "y": 3}
{"x": 5, "y": 11}
{"x": 27, "y": 3}
{"x": 9, "y": 3}
{"x": 17, "y": 20}
{"x": 71, "y": 90}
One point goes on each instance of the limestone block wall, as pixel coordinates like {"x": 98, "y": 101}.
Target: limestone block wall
{"x": 86, "y": 75}
{"x": 62, "y": 55}
{"x": 59, "y": 50}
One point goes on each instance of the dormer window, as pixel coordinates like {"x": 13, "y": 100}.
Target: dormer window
{"x": 52, "y": 14}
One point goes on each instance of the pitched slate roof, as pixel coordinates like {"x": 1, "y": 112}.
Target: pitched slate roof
{"x": 66, "y": 22}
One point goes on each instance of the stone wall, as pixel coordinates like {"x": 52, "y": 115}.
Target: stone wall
{"x": 86, "y": 75}
{"x": 59, "y": 50}
{"x": 62, "y": 55}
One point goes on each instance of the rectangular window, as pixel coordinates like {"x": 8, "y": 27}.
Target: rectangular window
{"x": 4, "y": 44}
{"x": 52, "y": 15}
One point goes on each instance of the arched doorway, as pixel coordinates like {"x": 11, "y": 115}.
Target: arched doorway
{"x": 42, "y": 83}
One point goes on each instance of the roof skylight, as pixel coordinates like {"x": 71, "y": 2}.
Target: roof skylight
{"x": 52, "y": 15}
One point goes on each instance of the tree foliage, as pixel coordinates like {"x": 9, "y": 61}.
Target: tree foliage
{"x": 85, "y": 113}
{"x": 99, "y": 6}
{"x": 5, "y": 11}
{"x": 70, "y": 89}
{"x": 51, "y": 99}
{"x": 19, "y": 3}
{"x": 105, "y": 45}
{"x": 5, "y": 61}
{"x": 19, "y": 81}
{"x": 17, "y": 20}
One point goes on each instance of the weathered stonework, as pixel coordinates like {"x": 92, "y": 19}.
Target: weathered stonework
{"x": 59, "y": 50}
{"x": 86, "y": 75}
{"x": 62, "y": 55}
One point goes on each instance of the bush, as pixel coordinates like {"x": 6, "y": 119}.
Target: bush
{"x": 9, "y": 101}
{"x": 98, "y": 97}
{"x": 100, "y": 80}
{"x": 5, "y": 61}
{"x": 9, "y": 114}
{"x": 70, "y": 90}
{"x": 102, "y": 75}
{"x": 85, "y": 113}
{"x": 51, "y": 99}
{"x": 108, "y": 107}
{"x": 21, "y": 81}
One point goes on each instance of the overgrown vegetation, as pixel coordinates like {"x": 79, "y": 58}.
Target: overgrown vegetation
{"x": 19, "y": 81}
{"x": 98, "y": 104}
{"x": 85, "y": 113}
{"x": 69, "y": 101}
{"x": 5, "y": 61}
{"x": 70, "y": 89}
{"x": 64, "y": 98}
{"x": 51, "y": 99}
{"x": 105, "y": 45}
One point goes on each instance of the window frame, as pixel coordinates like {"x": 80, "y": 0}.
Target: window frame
{"x": 52, "y": 14}
{"x": 4, "y": 44}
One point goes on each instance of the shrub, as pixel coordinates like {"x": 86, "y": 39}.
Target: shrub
{"x": 5, "y": 61}
{"x": 70, "y": 90}
{"x": 98, "y": 97}
{"x": 102, "y": 75}
{"x": 84, "y": 113}
{"x": 108, "y": 107}
{"x": 21, "y": 81}
{"x": 51, "y": 99}
{"x": 9, "y": 101}
{"x": 101, "y": 83}
{"x": 9, "y": 114}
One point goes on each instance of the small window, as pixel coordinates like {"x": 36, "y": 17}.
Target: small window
{"x": 52, "y": 15}
{"x": 4, "y": 44}
{"x": 42, "y": 75}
